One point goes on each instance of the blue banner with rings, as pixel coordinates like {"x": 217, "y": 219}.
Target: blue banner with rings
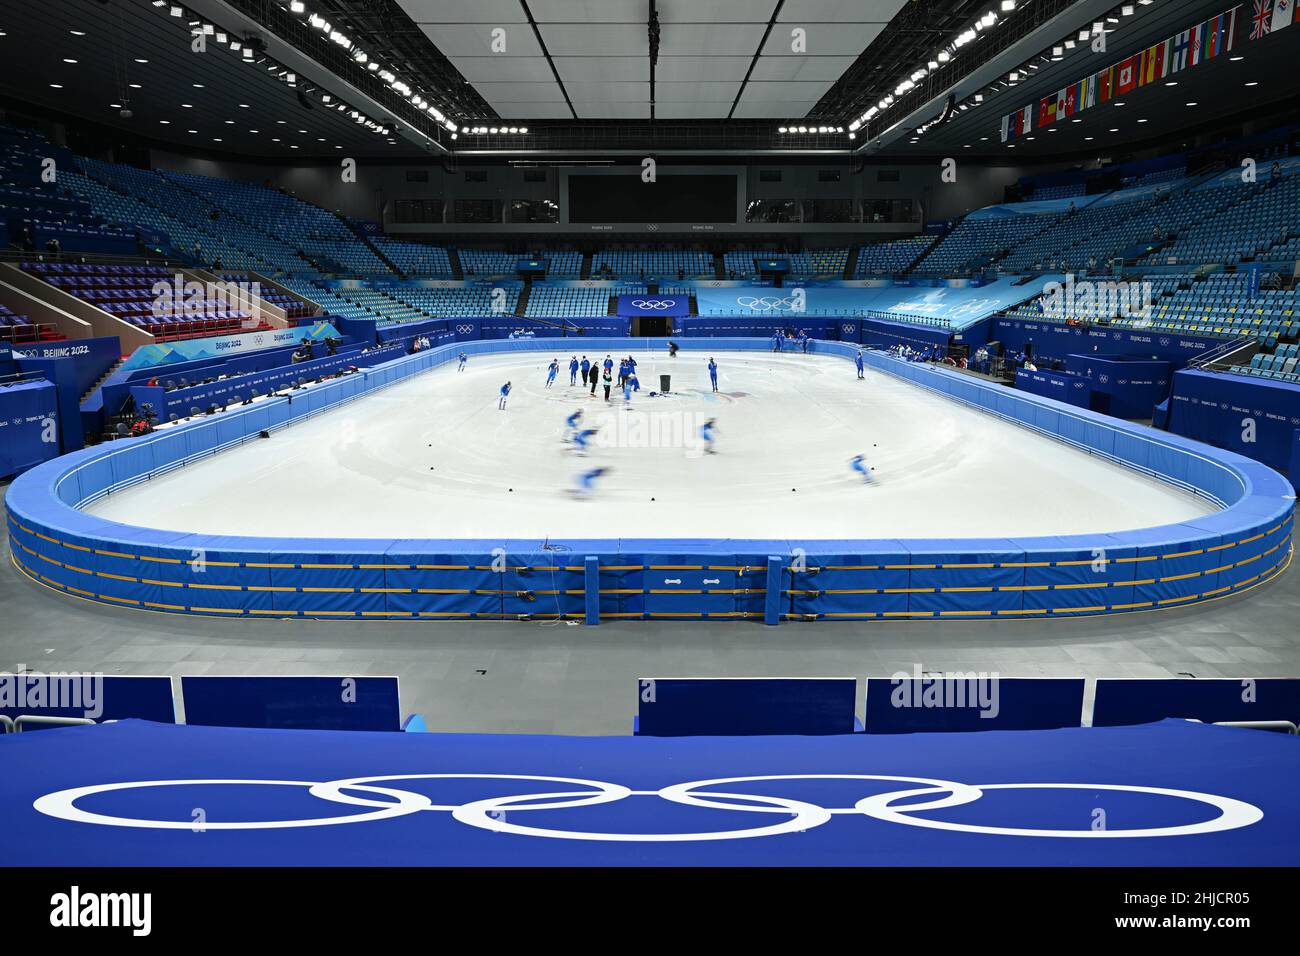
{"x": 645, "y": 304}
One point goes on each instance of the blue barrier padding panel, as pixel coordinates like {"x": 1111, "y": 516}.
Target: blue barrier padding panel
{"x": 92, "y": 696}
{"x": 675, "y": 707}
{"x": 1236, "y": 548}
{"x": 1141, "y": 700}
{"x": 966, "y": 702}
{"x": 293, "y": 703}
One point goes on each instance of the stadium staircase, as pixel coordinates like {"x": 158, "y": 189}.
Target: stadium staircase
{"x": 933, "y": 245}
{"x": 851, "y": 264}
{"x": 365, "y": 240}
{"x": 457, "y": 270}
{"x": 585, "y": 271}
{"x": 523, "y": 296}
{"x": 719, "y": 266}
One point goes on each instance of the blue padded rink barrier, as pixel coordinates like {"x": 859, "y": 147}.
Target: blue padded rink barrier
{"x": 1200, "y": 559}
{"x": 1172, "y": 793}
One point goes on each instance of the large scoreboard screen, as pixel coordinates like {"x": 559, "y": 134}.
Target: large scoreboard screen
{"x": 670, "y": 199}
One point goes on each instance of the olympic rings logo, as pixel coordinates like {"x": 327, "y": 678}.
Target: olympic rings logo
{"x": 795, "y": 815}
{"x": 767, "y": 303}
{"x": 657, "y": 305}
{"x": 465, "y": 329}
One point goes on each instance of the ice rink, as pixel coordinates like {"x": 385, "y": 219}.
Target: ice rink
{"x": 433, "y": 457}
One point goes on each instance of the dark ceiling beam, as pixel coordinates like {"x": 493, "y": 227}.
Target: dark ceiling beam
{"x": 771, "y": 23}
{"x": 547, "y": 53}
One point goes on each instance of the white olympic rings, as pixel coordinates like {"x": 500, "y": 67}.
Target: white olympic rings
{"x": 768, "y": 303}
{"x": 797, "y": 815}
{"x": 655, "y": 305}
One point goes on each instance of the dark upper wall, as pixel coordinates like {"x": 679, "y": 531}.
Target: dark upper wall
{"x": 378, "y": 186}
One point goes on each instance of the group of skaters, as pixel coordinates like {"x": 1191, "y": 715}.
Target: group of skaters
{"x": 785, "y": 337}
{"x": 599, "y": 373}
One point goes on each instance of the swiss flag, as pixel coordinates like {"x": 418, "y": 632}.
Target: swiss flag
{"x": 1126, "y": 79}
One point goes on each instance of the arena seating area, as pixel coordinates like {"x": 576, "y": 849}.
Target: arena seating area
{"x": 980, "y": 240}
{"x": 294, "y": 307}
{"x": 415, "y": 258}
{"x": 544, "y": 300}
{"x": 33, "y": 212}
{"x": 16, "y": 329}
{"x": 652, "y": 263}
{"x": 468, "y": 302}
{"x": 126, "y": 292}
{"x": 890, "y": 258}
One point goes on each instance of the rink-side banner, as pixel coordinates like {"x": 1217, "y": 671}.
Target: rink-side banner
{"x": 147, "y": 356}
{"x": 674, "y": 306}
{"x": 1214, "y": 37}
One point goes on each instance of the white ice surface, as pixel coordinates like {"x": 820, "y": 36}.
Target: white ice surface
{"x": 433, "y": 457}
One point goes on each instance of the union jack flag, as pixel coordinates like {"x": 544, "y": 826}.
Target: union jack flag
{"x": 1262, "y": 20}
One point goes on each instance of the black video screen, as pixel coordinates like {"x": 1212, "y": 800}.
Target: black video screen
{"x": 681, "y": 199}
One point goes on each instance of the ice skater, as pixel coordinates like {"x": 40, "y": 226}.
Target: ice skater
{"x": 585, "y": 367}
{"x": 571, "y": 425}
{"x": 582, "y": 439}
{"x": 573, "y": 370}
{"x": 627, "y": 386}
{"x": 622, "y": 372}
{"x": 713, "y": 373}
{"x": 776, "y": 341}
{"x": 551, "y": 371}
{"x": 586, "y": 482}
{"x": 858, "y": 362}
{"x": 707, "y": 435}
{"x": 463, "y": 359}
{"x": 859, "y": 464}
{"x": 505, "y": 393}
{"x": 672, "y": 349}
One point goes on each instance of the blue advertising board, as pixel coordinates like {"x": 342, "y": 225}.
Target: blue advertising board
{"x": 672, "y": 306}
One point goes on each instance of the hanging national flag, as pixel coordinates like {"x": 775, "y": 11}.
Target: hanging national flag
{"x": 1166, "y": 58}
{"x": 1180, "y": 51}
{"x": 1060, "y": 105}
{"x": 1071, "y": 99}
{"x": 1106, "y": 84}
{"x": 1089, "y": 91}
{"x": 1198, "y": 32}
{"x": 1027, "y": 119}
{"x": 1261, "y": 19}
{"x": 1006, "y": 128}
{"x": 1210, "y": 38}
{"x": 1046, "y": 111}
{"x": 1283, "y": 14}
{"x": 1126, "y": 71}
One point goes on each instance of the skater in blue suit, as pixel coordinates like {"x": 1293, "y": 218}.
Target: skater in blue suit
{"x": 858, "y": 362}
{"x": 551, "y": 371}
{"x": 573, "y": 370}
{"x": 463, "y": 359}
{"x": 582, "y": 439}
{"x": 571, "y": 425}
{"x": 505, "y": 393}
{"x": 707, "y": 435}
{"x": 586, "y": 482}
{"x": 859, "y": 464}
{"x": 713, "y": 373}
{"x": 586, "y": 367}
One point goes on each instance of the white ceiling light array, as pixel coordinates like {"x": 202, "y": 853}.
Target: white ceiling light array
{"x": 362, "y": 58}
{"x": 282, "y": 73}
{"x": 941, "y": 58}
{"x": 810, "y": 130}
{"x": 493, "y": 130}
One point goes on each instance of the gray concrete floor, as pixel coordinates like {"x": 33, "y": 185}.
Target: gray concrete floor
{"x": 548, "y": 678}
